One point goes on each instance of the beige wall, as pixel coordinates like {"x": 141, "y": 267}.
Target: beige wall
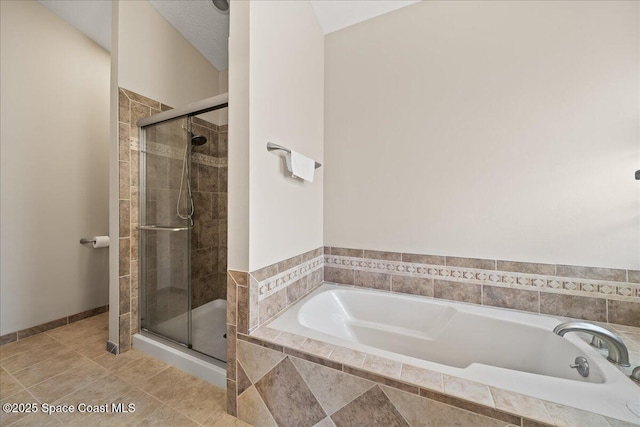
{"x": 286, "y": 107}
{"x": 503, "y": 130}
{"x": 238, "y": 185}
{"x": 156, "y": 61}
{"x": 54, "y": 167}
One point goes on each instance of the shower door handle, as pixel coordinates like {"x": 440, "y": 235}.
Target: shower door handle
{"x": 162, "y": 228}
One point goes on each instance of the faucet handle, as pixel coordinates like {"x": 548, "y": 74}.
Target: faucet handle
{"x": 635, "y": 375}
{"x": 598, "y": 343}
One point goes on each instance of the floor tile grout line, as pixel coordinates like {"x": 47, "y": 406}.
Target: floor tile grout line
{"x": 395, "y": 407}
{"x": 16, "y": 380}
{"x": 164, "y": 403}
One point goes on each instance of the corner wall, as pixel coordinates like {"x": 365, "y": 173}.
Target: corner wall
{"x": 287, "y": 94}
{"x": 496, "y": 130}
{"x": 55, "y": 141}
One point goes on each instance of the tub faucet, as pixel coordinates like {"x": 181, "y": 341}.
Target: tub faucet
{"x": 618, "y": 353}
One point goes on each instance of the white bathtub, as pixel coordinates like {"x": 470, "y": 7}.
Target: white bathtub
{"x": 501, "y": 348}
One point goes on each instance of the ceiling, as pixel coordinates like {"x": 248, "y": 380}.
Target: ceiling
{"x": 200, "y": 22}
{"x": 335, "y": 15}
{"x": 204, "y": 26}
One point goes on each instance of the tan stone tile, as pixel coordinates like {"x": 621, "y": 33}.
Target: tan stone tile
{"x": 457, "y": 291}
{"x": 517, "y": 299}
{"x": 112, "y": 361}
{"x": 519, "y": 404}
{"x": 67, "y": 382}
{"x": 370, "y": 408}
{"x": 565, "y": 416}
{"x": 25, "y": 333}
{"x": 373, "y": 280}
{"x": 338, "y": 275}
{"x": 224, "y": 420}
{"x": 39, "y": 419}
{"x": 37, "y": 355}
{"x": 422, "y": 377}
{"x": 8, "y": 385}
{"x": 140, "y": 370}
{"x": 356, "y": 253}
{"x": 266, "y": 333}
{"x": 30, "y": 344}
{"x": 200, "y": 402}
{"x": 252, "y": 409}
{"x": 425, "y": 412}
{"x": 290, "y": 340}
{"x": 100, "y": 392}
{"x": 612, "y": 274}
{"x": 168, "y": 384}
{"x": 484, "y": 264}
{"x": 332, "y": 388}
{"x": 51, "y": 367}
{"x": 387, "y": 256}
{"x": 7, "y": 418}
{"x": 382, "y": 366}
{"x": 257, "y": 360}
{"x": 526, "y": 267}
{"x": 144, "y": 405}
{"x": 423, "y": 259}
{"x": 624, "y": 312}
{"x": 347, "y": 356}
{"x": 412, "y": 285}
{"x": 288, "y": 397}
{"x": 468, "y": 390}
{"x": 165, "y": 416}
{"x": 573, "y": 306}
{"x": 316, "y": 347}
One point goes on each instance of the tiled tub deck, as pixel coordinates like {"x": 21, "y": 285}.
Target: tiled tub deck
{"x": 403, "y": 384}
{"x": 326, "y": 385}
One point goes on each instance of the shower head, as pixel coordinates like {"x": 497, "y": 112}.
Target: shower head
{"x": 198, "y": 140}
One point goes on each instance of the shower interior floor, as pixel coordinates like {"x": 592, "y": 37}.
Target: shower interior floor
{"x": 208, "y": 328}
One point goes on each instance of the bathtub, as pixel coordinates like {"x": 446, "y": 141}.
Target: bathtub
{"x": 501, "y": 348}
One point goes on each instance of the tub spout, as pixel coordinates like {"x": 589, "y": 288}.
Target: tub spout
{"x": 618, "y": 353}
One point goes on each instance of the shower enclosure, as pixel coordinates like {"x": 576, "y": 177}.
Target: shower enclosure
{"x": 182, "y": 228}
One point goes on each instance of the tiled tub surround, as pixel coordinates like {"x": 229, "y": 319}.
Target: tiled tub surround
{"x": 344, "y": 385}
{"x": 209, "y": 188}
{"x": 595, "y": 294}
{"x": 290, "y": 280}
{"x": 443, "y": 398}
{"x": 501, "y": 348}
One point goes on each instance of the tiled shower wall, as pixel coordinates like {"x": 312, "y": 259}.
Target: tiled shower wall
{"x": 208, "y": 237}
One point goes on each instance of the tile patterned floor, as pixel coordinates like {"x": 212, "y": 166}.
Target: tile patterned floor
{"x": 69, "y": 366}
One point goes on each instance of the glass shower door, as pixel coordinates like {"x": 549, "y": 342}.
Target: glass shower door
{"x": 165, "y": 230}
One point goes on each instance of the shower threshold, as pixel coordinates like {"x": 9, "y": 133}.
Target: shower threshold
{"x": 208, "y": 330}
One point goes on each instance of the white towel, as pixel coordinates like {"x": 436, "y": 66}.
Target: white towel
{"x": 302, "y": 166}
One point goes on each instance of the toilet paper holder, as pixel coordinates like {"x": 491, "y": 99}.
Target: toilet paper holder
{"x": 85, "y": 241}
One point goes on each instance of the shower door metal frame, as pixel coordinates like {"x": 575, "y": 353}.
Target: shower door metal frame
{"x": 206, "y": 105}
{"x": 142, "y": 196}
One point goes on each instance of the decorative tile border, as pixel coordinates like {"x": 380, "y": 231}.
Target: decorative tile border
{"x": 178, "y": 153}
{"x": 280, "y": 281}
{"x": 544, "y": 283}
